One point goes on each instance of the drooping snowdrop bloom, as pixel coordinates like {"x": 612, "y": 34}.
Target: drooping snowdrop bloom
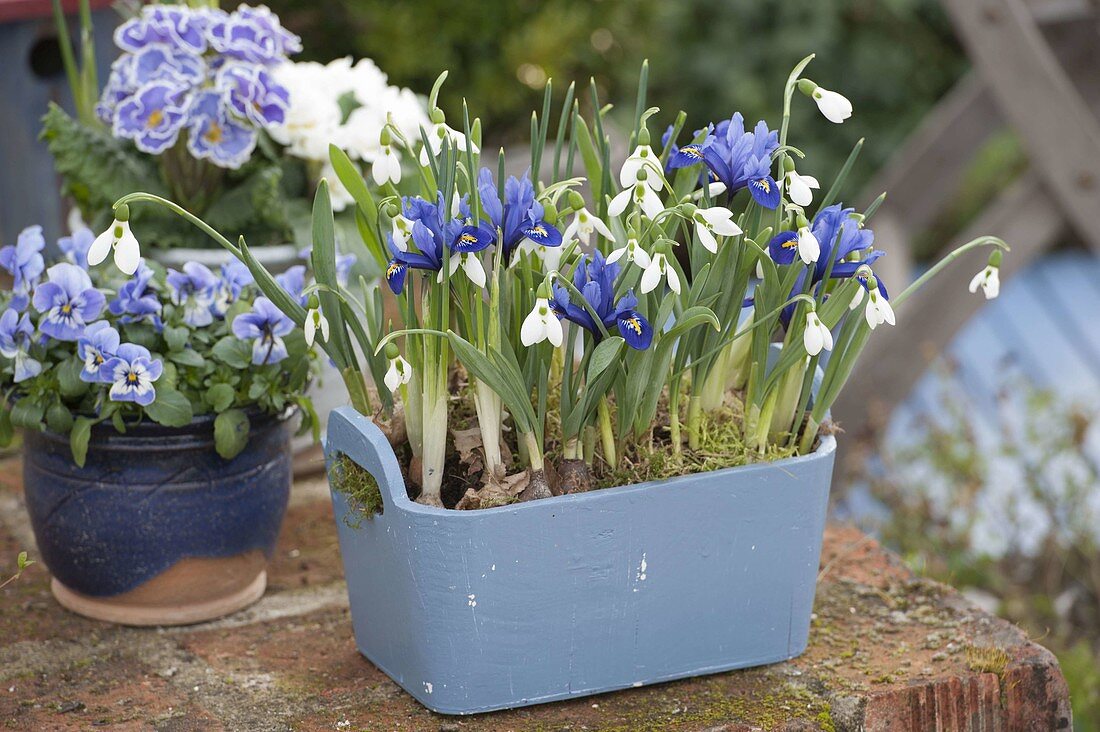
{"x": 16, "y": 333}
{"x": 716, "y": 220}
{"x": 439, "y": 132}
{"x": 643, "y": 166}
{"x": 595, "y": 280}
{"x": 878, "y": 310}
{"x": 643, "y": 197}
{"x": 23, "y": 261}
{"x": 67, "y": 301}
{"x": 809, "y": 249}
{"x": 98, "y": 344}
{"x": 736, "y": 159}
{"x": 398, "y": 374}
{"x": 471, "y": 265}
{"x": 633, "y": 252}
{"x": 541, "y": 325}
{"x": 193, "y": 289}
{"x": 659, "y": 268}
{"x": 520, "y": 217}
{"x": 816, "y": 336}
{"x": 119, "y": 238}
{"x": 265, "y": 326}
{"x": 386, "y": 167}
{"x": 834, "y": 106}
{"x": 315, "y": 322}
{"x": 131, "y": 373}
{"x": 584, "y": 224}
{"x": 401, "y": 232}
{"x": 989, "y": 279}
{"x": 800, "y": 187}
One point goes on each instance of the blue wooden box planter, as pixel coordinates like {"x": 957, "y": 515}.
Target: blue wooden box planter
{"x": 472, "y": 611}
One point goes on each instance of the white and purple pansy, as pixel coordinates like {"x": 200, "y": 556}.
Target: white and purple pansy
{"x": 99, "y": 343}
{"x": 252, "y": 34}
{"x": 265, "y": 326}
{"x": 192, "y": 290}
{"x": 253, "y": 94}
{"x": 234, "y": 278}
{"x": 294, "y": 282}
{"x": 16, "y": 334}
{"x": 23, "y": 261}
{"x": 67, "y": 301}
{"x": 131, "y": 373}
{"x": 136, "y": 302}
{"x": 75, "y": 247}
{"x": 153, "y": 116}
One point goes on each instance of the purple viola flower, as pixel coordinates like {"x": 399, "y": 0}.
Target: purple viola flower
{"x": 153, "y": 116}
{"x": 344, "y": 263}
{"x": 131, "y": 373}
{"x": 253, "y": 94}
{"x": 214, "y": 135}
{"x": 75, "y": 247}
{"x": 265, "y": 326}
{"x": 67, "y": 301}
{"x": 252, "y": 34}
{"x": 193, "y": 291}
{"x": 98, "y": 344}
{"x": 234, "y": 278}
{"x": 16, "y": 335}
{"x": 136, "y": 302}
{"x": 23, "y": 260}
{"x": 174, "y": 26}
{"x": 294, "y": 282}
{"x": 595, "y": 280}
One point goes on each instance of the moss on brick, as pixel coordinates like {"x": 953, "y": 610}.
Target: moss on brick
{"x": 356, "y": 482}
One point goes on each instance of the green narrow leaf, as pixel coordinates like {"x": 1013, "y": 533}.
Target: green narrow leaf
{"x": 603, "y": 356}
{"x": 78, "y": 439}
{"x": 231, "y": 429}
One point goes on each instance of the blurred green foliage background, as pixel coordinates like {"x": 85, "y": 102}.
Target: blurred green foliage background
{"x": 892, "y": 58}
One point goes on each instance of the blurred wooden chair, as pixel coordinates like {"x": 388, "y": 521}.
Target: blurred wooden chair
{"x": 1035, "y": 70}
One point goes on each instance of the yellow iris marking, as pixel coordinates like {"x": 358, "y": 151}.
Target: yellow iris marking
{"x": 692, "y": 151}
{"x": 468, "y": 239}
{"x": 792, "y": 244}
{"x": 156, "y": 117}
{"x": 634, "y": 324}
{"x": 538, "y": 231}
{"x": 765, "y": 185}
{"x": 392, "y": 270}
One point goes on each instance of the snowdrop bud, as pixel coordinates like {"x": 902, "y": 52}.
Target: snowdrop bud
{"x": 313, "y": 302}
{"x": 802, "y": 221}
{"x": 643, "y": 135}
{"x": 576, "y": 200}
{"x": 550, "y": 213}
{"x": 858, "y": 218}
{"x": 995, "y": 258}
{"x": 788, "y": 164}
{"x": 437, "y": 117}
{"x": 392, "y": 210}
{"x": 688, "y": 209}
{"x": 392, "y": 351}
{"x": 122, "y": 212}
{"x": 806, "y": 86}
{"x": 384, "y": 138}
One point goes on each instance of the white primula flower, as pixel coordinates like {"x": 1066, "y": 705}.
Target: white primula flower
{"x": 584, "y": 224}
{"x": 386, "y": 168}
{"x": 989, "y": 279}
{"x": 834, "y": 106}
{"x": 633, "y": 252}
{"x": 658, "y": 268}
{"x": 642, "y": 159}
{"x": 714, "y": 220}
{"x": 339, "y": 196}
{"x": 541, "y": 325}
{"x": 118, "y": 237}
{"x": 808, "y": 247}
{"x": 399, "y": 373}
{"x": 437, "y": 133}
{"x": 799, "y": 188}
{"x": 816, "y": 336}
{"x": 878, "y": 309}
{"x": 315, "y": 320}
{"x": 643, "y": 196}
{"x": 470, "y": 264}
{"x": 402, "y": 232}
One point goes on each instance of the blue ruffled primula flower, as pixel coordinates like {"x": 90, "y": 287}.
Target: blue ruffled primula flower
{"x": 153, "y": 116}
{"x": 16, "y": 335}
{"x": 193, "y": 290}
{"x": 172, "y": 26}
{"x": 253, "y": 94}
{"x": 67, "y": 301}
{"x": 595, "y": 280}
{"x": 234, "y": 278}
{"x": 431, "y": 232}
{"x": 520, "y": 217}
{"x": 216, "y": 135}
{"x": 265, "y": 326}
{"x": 136, "y": 302}
{"x": 23, "y": 261}
{"x": 131, "y": 373}
{"x": 736, "y": 158}
{"x": 252, "y": 34}
{"x": 98, "y": 344}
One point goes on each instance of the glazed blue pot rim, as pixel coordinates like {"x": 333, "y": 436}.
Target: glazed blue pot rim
{"x": 149, "y": 429}
{"x": 395, "y": 495}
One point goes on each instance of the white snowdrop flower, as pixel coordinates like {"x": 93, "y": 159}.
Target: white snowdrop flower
{"x": 834, "y": 106}
{"x": 386, "y": 168}
{"x": 541, "y": 325}
{"x": 125, "y": 245}
{"x": 643, "y": 196}
{"x": 816, "y": 336}
{"x": 470, "y": 264}
{"x": 878, "y": 309}
{"x": 808, "y": 247}
{"x": 439, "y": 132}
{"x": 989, "y": 279}
{"x": 799, "y": 187}
{"x": 315, "y": 321}
{"x": 711, "y": 221}
{"x": 401, "y": 229}
{"x": 660, "y": 268}
{"x": 633, "y": 252}
{"x": 399, "y": 373}
{"x": 643, "y": 166}
{"x": 584, "y": 224}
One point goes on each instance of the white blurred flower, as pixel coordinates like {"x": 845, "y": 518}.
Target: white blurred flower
{"x": 989, "y": 279}
{"x": 439, "y": 132}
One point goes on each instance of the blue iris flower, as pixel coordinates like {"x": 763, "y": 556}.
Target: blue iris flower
{"x": 136, "y": 302}
{"x": 131, "y": 373}
{"x": 520, "y": 217}
{"x": 736, "y": 158}
{"x": 98, "y": 344}
{"x": 265, "y": 326}
{"x": 16, "y": 334}
{"x": 595, "y": 280}
{"x": 23, "y": 261}
{"x": 193, "y": 290}
{"x": 67, "y": 301}
{"x": 431, "y": 232}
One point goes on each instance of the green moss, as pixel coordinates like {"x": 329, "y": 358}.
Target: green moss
{"x": 986, "y": 660}
{"x": 354, "y": 481}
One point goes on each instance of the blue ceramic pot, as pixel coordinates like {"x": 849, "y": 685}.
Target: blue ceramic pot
{"x": 155, "y": 507}
{"x": 472, "y": 611}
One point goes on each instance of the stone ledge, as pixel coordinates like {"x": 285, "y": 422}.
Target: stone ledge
{"x": 888, "y": 651}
